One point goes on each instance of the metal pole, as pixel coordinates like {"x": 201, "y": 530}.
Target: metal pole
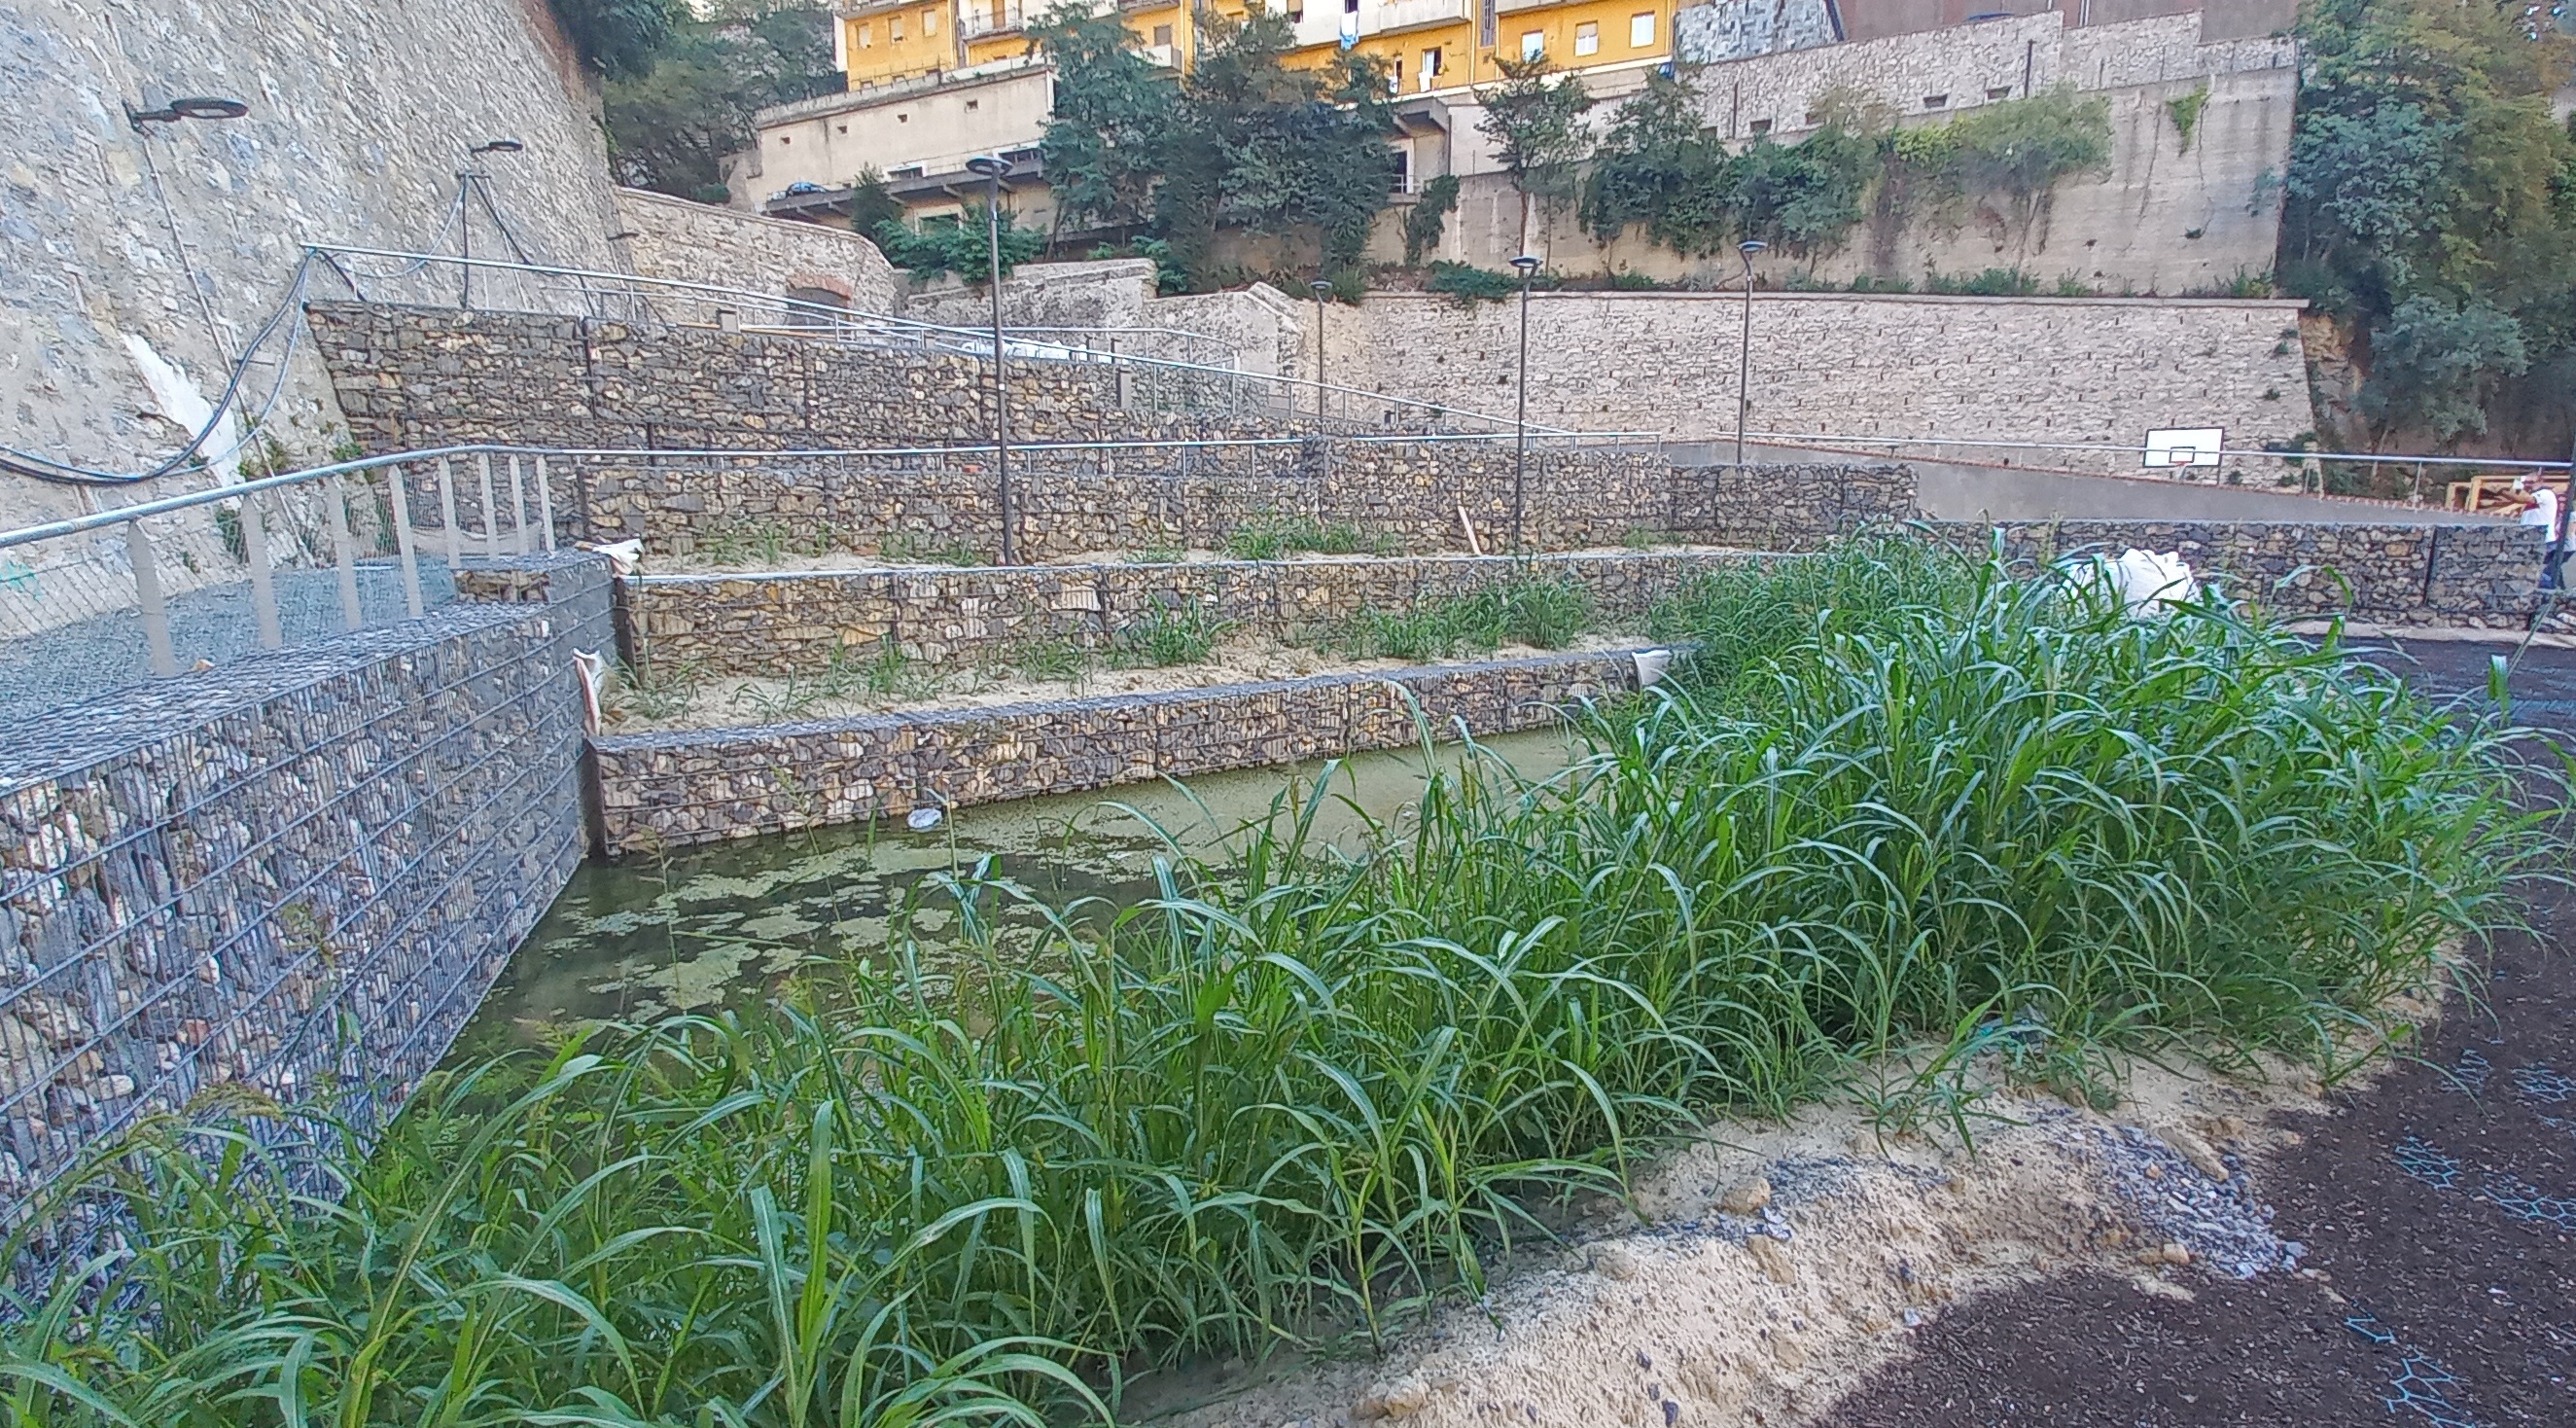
{"x": 1520, "y": 420}
{"x": 344, "y": 553}
{"x": 1744, "y": 359}
{"x": 403, "y": 541}
{"x": 147, "y": 598}
{"x": 1744, "y": 366}
{"x": 465, "y": 238}
{"x": 491, "y": 540}
{"x": 263, "y": 598}
{"x": 1001, "y": 379}
{"x": 447, "y": 514}
{"x": 518, "y": 508}
{"x": 545, "y": 508}
{"x": 1320, "y": 288}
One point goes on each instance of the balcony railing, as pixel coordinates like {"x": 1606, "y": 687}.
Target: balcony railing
{"x": 991, "y": 17}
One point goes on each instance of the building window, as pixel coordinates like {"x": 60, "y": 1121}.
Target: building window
{"x": 1403, "y": 171}
{"x": 1761, "y": 127}
{"x": 1641, "y": 31}
{"x": 1430, "y": 68}
{"x": 1350, "y": 7}
{"x": 1533, "y": 45}
{"x": 866, "y": 34}
{"x": 929, "y": 23}
{"x": 894, "y": 29}
{"x": 902, "y": 118}
{"x": 1486, "y": 13}
{"x": 974, "y": 104}
{"x": 1587, "y": 39}
{"x": 1162, "y": 34}
{"x": 2001, "y": 91}
{"x": 1936, "y": 101}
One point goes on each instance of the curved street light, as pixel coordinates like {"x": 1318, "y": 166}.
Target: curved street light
{"x": 1744, "y": 360}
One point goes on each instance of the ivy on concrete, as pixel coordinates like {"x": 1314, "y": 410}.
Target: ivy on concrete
{"x": 2184, "y": 111}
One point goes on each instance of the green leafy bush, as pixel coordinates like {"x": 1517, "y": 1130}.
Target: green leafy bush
{"x": 1270, "y": 536}
{"x": 1524, "y": 610}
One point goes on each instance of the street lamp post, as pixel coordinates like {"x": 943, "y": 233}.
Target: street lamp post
{"x": 465, "y": 178}
{"x": 1527, "y": 266}
{"x": 1321, "y": 290}
{"x": 992, "y": 169}
{"x": 1744, "y": 359}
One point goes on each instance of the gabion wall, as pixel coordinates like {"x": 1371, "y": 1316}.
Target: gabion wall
{"x": 295, "y": 875}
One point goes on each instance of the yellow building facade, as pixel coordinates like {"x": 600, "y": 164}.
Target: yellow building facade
{"x": 1429, "y": 46}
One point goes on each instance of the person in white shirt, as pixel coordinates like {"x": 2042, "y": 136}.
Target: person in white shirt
{"x": 2543, "y": 512}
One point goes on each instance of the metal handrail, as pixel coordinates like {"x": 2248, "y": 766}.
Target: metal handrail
{"x": 167, "y": 505}
{"x": 832, "y": 321}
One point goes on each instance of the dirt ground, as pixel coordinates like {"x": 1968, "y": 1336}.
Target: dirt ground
{"x": 2433, "y": 1206}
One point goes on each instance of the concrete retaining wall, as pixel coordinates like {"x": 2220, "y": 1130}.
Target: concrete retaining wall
{"x": 660, "y": 791}
{"x": 289, "y": 874}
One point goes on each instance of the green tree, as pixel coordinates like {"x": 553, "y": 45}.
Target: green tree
{"x": 2435, "y": 364}
{"x": 671, "y": 123}
{"x": 1534, "y": 119}
{"x": 2431, "y": 200}
{"x": 872, "y": 205}
{"x": 1243, "y": 140}
{"x": 618, "y": 38}
{"x": 961, "y": 244}
{"x": 1115, "y": 111}
{"x": 1657, "y": 168}
{"x": 1430, "y": 214}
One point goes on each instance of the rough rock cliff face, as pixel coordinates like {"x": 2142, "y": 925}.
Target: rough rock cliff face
{"x": 181, "y": 240}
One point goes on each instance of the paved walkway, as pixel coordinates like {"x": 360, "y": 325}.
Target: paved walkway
{"x": 2437, "y": 1204}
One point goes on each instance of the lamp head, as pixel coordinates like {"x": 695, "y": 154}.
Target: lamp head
{"x": 1322, "y": 289}
{"x": 1752, "y": 246}
{"x": 988, "y": 165}
{"x": 198, "y": 107}
{"x": 496, "y": 146}
{"x": 1526, "y": 264}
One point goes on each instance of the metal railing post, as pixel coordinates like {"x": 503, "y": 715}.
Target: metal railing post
{"x": 545, "y": 508}
{"x": 147, "y": 597}
{"x": 344, "y": 553}
{"x": 403, "y": 541}
{"x": 447, "y": 514}
{"x": 491, "y": 541}
{"x": 263, "y": 596}
{"x": 518, "y": 507}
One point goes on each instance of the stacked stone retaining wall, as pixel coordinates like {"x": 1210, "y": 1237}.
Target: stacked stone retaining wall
{"x": 296, "y": 874}
{"x": 790, "y": 623}
{"x": 663, "y": 791}
{"x": 1414, "y": 495}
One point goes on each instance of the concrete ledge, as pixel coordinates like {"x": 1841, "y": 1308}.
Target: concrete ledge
{"x": 662, "y": 791}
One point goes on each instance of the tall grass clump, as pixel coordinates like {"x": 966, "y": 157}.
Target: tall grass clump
{"x": 1524, "y": 610}
{"x": 1298, "y": 1093}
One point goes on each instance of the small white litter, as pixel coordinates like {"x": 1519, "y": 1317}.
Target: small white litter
{"x": 624, "y": 556}
{"x": 2145, "y": 581}
{"x": 1651, "y": 667}
{"x": 922, "y": 820}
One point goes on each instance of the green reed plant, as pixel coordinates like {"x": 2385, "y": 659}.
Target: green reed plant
{"x": 1271, "y": 536}
{"x": 1524, "y": 610}
{"x": 1172, "y": 632}
{"x": 1300, "y": 1092}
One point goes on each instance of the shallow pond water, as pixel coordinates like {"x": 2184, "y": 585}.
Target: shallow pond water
{"x": 728, "y": 924}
